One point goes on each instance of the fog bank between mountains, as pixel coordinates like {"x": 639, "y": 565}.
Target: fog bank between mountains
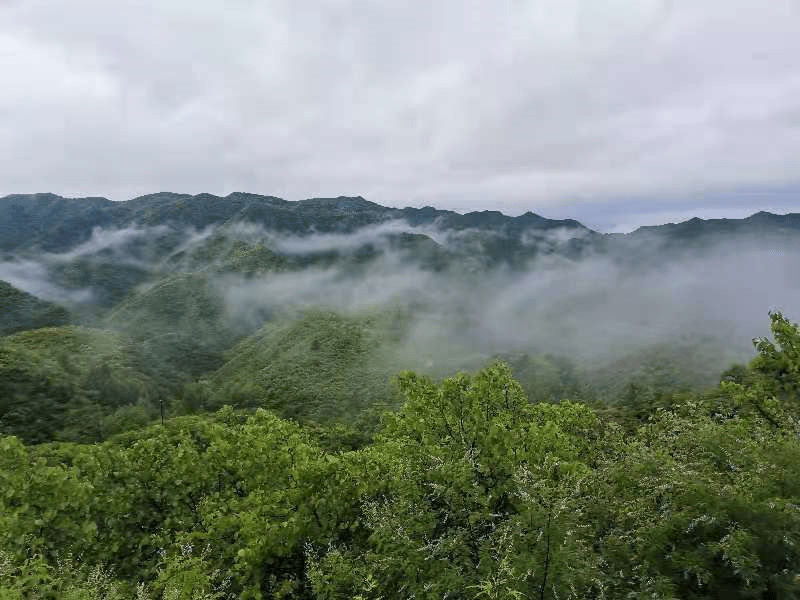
{"x": 595, "y": 309}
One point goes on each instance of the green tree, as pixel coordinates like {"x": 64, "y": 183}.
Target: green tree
{"x": 472, "y": 492}
{"x": 771, "y": 384}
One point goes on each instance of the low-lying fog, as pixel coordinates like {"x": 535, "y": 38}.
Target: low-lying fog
{"x": 589, "y": 309}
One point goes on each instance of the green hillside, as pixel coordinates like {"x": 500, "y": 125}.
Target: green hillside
{"x": 68, "y": 383}
{"x": 20, "y": 311}
{"x": 180, "y": 325}
{"x": 321, "y": 365}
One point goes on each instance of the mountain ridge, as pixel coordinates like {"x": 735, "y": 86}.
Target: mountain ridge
{"x": 245, "y": 202}
{"x": 49, "y": 224}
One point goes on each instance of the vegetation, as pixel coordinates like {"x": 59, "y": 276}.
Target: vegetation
{"x": 319, "y": 366}
{"x": 20, "y": 311}
{"x": 72, "y": 383}
{"x": 466, "y": 490}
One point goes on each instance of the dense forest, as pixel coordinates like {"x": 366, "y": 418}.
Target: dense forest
{"x": 467, "y": 490}
{"x": 252, "y": 398}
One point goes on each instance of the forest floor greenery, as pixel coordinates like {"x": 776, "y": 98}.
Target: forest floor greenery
{"x": 516, "y": 481}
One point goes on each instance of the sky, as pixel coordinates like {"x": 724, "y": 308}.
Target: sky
{"x": 617, "y": 113}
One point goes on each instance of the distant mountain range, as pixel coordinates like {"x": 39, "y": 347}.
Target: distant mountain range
{"x": 53, "y": 223}
{"x": 95, "y": 252}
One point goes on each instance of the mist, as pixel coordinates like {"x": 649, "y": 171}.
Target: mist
{"x": 41, "y": 274}
{"x": 595, "y": 309}
{"x": 117, "y": 244}
{"x": 32, "y": 276}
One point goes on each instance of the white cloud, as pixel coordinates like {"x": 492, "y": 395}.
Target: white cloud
{"x": 594, "y": 310}
{"x": 325, "y": 242}
{"x": 32, "y": 277}
{"x": 114, "y": 241}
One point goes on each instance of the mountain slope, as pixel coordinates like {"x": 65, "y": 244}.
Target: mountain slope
{"x": 20, "y": 311}
{"x": 180, "y": 325}
{"x": 318, "y": 366}
{"x": 64, "y": 382}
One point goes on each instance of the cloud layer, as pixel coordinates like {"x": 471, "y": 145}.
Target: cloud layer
{"x": 512, "y": 105}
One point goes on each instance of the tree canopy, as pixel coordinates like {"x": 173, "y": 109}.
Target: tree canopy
{"x": 467, "y": 490}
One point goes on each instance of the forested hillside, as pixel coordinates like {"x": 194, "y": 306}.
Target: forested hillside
{"x": 21, "y": 311}
{"x": 467, "y": 490}
{"x": 245, "y": 397}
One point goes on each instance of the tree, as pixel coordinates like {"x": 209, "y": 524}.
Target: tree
{"x": 474, "y": 492}
{"x": 773, "y": 389}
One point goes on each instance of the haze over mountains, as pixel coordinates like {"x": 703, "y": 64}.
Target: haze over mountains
{"x": 328, "y": 298}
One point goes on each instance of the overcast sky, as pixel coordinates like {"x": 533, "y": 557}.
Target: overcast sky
{"x": 614, "y": 112}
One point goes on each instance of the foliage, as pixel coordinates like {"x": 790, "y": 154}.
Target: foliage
{"x": 60, "y": 383}
{"x": 467, "y": 490}
{"x": 319, "y": 366}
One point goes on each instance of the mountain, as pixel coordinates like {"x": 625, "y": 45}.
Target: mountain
{"x": 51, "y": 223}
{"x": 758, "y": 223}
{"x": 309, "y": 307}
{"x": 107, "y": 249}
{"x": 91, "y": 254}
{"x": 697, "y": 235}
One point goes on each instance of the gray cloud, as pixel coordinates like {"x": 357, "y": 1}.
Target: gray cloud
{"x": 513, "y": 105}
